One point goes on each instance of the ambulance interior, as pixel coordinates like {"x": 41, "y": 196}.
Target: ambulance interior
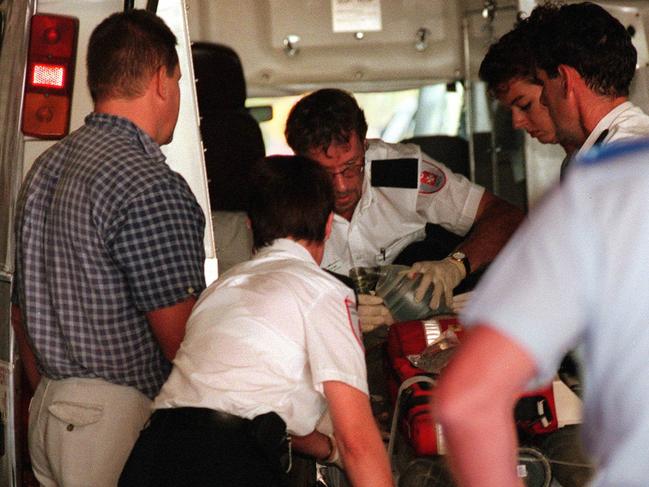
{"x": 412, "y": 65}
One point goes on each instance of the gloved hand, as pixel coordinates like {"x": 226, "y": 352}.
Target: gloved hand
{"x": 443, "y": 274}
{"x": 372, "y": 313}
{"x": 460, "y": 301}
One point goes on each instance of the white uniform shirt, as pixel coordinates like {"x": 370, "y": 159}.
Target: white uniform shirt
{"x": 626, "y": 121}
{"x": 577, "y": 273}
{"x": 386, "y": 220}
{"x": 264, "y": 337}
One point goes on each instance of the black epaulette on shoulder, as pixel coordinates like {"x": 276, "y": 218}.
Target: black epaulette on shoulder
{"x": 395, "y": 173}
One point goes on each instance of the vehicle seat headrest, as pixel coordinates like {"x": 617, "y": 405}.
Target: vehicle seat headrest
{"x": 221, "y": 84}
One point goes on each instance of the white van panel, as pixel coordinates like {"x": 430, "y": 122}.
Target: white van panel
{"x": 185, "y": 153}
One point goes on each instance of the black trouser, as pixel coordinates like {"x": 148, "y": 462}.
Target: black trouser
{"x": 201, "y": 447}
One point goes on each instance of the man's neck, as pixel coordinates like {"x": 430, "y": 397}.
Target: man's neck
{"x": 137, "y": 110}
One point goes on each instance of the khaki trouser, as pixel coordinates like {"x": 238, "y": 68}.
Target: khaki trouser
{"x": 81, "y": 431}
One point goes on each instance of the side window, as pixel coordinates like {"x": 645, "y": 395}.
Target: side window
{"x": 391, "y": 115}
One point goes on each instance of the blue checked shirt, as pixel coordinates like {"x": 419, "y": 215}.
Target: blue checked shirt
{"x": 106, "y": 232}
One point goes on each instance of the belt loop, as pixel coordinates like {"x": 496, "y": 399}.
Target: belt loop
{"x": 290, "y": 452}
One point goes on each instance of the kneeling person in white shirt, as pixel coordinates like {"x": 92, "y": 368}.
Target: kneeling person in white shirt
{"x": 269, "y": 347}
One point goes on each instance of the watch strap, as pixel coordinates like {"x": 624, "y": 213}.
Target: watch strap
{"x": 461, "y": 257}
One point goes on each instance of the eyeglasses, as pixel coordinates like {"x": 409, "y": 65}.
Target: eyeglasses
{"x": 349, "y": 172}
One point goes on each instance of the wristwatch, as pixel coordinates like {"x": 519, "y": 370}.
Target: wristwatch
{"x": 461, "y": 257}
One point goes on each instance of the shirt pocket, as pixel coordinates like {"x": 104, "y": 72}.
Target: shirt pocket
{"x": 390, "y": 252}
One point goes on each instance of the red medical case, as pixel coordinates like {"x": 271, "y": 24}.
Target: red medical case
{"x": 535, "y": 413}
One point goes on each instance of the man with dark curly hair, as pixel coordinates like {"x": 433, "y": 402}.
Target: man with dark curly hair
{"x": 509, "y": 72}
{"x": 585, "y": 62}
{"x": 385, "y": 196}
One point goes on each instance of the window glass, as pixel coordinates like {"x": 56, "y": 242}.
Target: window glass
{"x": 391, "y": 116}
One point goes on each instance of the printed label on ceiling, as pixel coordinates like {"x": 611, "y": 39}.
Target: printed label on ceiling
{"x": 356, "y": 15}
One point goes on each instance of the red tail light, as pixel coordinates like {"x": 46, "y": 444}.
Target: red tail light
{"x": 50, "y": 76}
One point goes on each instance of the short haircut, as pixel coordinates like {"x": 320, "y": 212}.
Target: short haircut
{"x": 587, "y": 38}
{"x": 508, "y": 59}
{"x": 324, "y": 117}
{"x": 125, "y": 50}
{"x": 290, "y": 196}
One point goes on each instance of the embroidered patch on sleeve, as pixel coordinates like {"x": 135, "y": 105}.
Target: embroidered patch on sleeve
{"x": 431, "y": 179}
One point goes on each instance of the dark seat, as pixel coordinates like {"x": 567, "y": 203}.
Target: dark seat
{"x": 451, "y": 151}
{"x": 231, "y": 136}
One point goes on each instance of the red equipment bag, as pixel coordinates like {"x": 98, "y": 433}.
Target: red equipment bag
{"x": 535, "y": 413}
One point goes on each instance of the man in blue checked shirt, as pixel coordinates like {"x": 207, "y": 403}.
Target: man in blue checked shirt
{"x": 109, "y": 260}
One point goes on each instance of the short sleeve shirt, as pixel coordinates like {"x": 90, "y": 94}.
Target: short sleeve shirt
{"x": 626, "y": 121}
{"x": 576, "y": 273}
{"x": 105, "y": 232}
{"x": 265, "y": 337}
{"x": 388, "y": 219}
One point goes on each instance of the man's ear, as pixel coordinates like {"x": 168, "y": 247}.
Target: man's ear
{"x": 160, "y": 80}
{"x": 329, "y": 226}
{"x": 569, "y": 78}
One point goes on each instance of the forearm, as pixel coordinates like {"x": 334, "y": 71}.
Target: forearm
{"x": 168, "y": 325}
{"x": 365, "y": 458}
{"x": 358, "y": 439}
{"x": 476, "y": 414}
{"x": 496, "y": 221}
{"x": 489, "y": 458}
{"x": 25, "y": 352}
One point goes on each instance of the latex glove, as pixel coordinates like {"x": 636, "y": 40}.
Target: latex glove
{"x": 443, "y": 274}
{"x": 372, "y": 313}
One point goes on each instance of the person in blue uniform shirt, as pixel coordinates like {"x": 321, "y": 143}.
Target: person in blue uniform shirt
{"x": 575, "y": 274}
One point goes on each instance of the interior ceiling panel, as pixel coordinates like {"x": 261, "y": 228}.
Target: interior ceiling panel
{"x": 258, "y": 30}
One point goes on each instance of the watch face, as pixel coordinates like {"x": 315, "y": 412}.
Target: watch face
{"x": 458, "y": 255}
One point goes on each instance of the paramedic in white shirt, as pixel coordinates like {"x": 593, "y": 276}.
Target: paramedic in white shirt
{"x": 586, "y": 90}
{"x": 269, "y": 347}
{"x": 385, "y": 196}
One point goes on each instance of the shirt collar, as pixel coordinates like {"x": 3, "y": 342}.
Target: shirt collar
{"x": 121, "y": 125}
{"x": 287, "y": 246}
{"x": 602, "y": 125}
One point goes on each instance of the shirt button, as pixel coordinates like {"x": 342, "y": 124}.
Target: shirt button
{"x": 70, "y": 427}
{"x": 191, "y": 290}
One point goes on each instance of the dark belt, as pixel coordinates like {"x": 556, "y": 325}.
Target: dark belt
{"x": 267, "y": 431}
{"x": 186, "y": 416}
